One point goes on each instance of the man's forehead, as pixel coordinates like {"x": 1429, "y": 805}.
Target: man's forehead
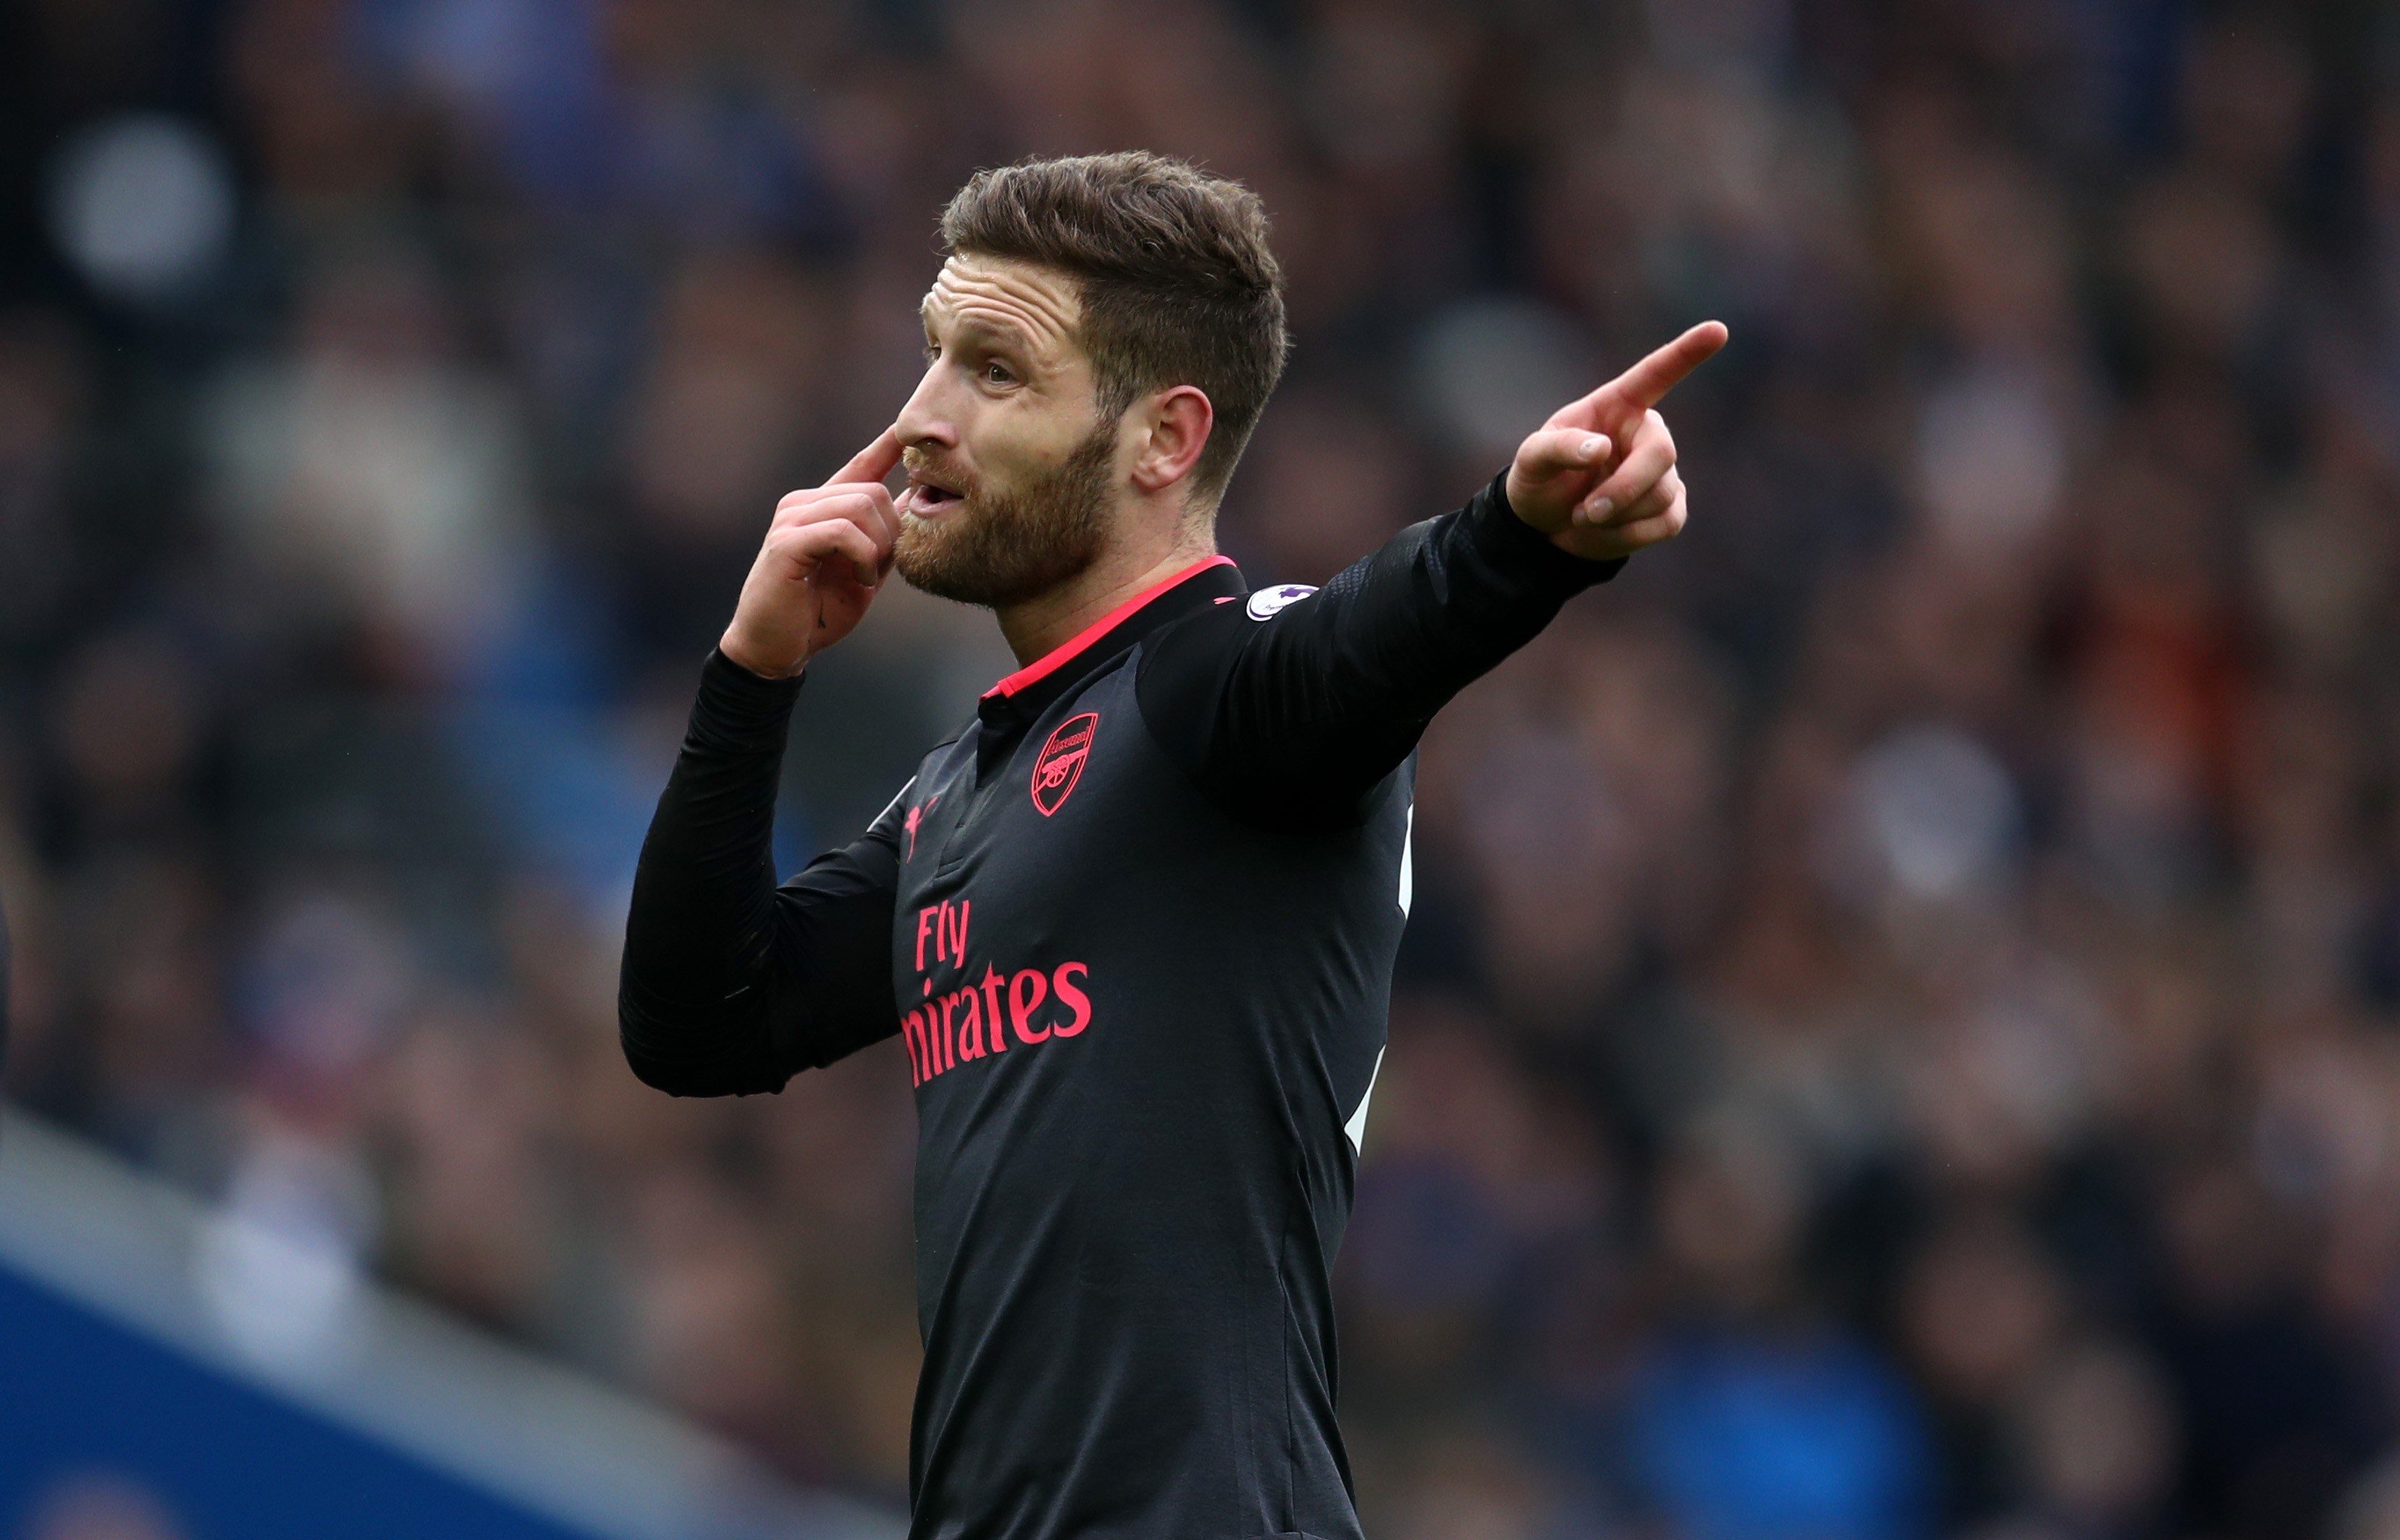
{"x": 1039, "y": 301}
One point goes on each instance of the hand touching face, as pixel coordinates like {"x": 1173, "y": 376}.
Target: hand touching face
{"x": 826, "y": 553}
{"x": 1598, "y": 478}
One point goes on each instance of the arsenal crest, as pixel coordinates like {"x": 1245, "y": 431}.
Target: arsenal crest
{"x": 1060, "y": 763}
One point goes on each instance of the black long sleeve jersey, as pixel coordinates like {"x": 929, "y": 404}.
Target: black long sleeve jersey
{"x": 1136, "y": 924}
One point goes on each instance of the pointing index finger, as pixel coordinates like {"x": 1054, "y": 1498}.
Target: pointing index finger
{"x": 1648, "y": 381}
{"x": 872, "y": 463}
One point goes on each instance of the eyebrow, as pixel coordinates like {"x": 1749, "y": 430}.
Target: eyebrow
{"x": 1006, "y": 331}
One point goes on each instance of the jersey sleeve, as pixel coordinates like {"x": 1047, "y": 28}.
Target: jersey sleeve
{"x": 1290, "y": 717}
{"x": 731, "y": 984}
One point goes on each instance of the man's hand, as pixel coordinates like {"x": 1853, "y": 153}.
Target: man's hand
{"x": 1572, "y": 481}
{"x": 825, "y": 554}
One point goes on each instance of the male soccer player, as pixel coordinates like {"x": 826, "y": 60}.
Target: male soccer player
{"x": 1136, "y": 921}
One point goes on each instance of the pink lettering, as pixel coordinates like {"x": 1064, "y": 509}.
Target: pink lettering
{"x": 1073, "y": 998}
{"x": 924, "y": 917}
{"x": 992, "y": 984}
{"x": 1022, "y": 1003}
{"x": 969, "y": 1029}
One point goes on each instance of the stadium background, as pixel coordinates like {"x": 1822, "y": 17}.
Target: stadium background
{"x": 1897, "y": 1034}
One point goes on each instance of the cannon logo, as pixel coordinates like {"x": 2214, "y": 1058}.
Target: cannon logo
{"x": 1060, "y": 763}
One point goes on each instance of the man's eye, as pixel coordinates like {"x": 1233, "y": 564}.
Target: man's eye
{"x": 997, "y": 373}
{"x": 932, "y": 351}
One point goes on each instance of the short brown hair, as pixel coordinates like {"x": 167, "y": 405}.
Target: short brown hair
{"x": 1178, "y": 284}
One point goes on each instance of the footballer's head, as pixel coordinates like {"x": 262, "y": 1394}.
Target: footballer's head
{"x": 1101, "y": 338}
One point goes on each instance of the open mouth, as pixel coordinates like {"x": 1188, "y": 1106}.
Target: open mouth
{"x": 928, "y": 499}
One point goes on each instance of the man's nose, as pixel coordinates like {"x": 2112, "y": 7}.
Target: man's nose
{"x": 926, "y": 420}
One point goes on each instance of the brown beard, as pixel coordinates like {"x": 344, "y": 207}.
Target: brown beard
{"x": 1001, "y": 549}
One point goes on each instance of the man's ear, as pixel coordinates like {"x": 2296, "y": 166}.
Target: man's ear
{"x": 1177, "y": 422}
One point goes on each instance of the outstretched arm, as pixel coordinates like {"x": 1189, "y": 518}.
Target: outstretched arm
{"x": 1291, "y": 716}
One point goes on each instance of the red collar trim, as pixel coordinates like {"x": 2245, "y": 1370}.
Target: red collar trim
{"x": 1051, "y": 661}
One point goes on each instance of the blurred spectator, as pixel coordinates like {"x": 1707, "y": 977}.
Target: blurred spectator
{"x": 1750, "y": 1414}
{"x": 1980, "y": 1313}
{"x": 371, "y": 480}
{"x": 2099, "y": 1440}
{"x": 42, "y": 397}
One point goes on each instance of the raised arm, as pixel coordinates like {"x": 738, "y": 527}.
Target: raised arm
{"x": 730, "y": 982}
{"x": 1290, "y": 710}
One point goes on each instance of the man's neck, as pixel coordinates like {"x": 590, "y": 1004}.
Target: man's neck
{"x": 1040, "y": 626}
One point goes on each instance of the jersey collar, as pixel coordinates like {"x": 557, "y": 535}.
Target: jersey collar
{"x": 1026, "y": 691}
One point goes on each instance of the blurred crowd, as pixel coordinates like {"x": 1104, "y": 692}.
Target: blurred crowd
{"x": 1900, "y": 1032}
